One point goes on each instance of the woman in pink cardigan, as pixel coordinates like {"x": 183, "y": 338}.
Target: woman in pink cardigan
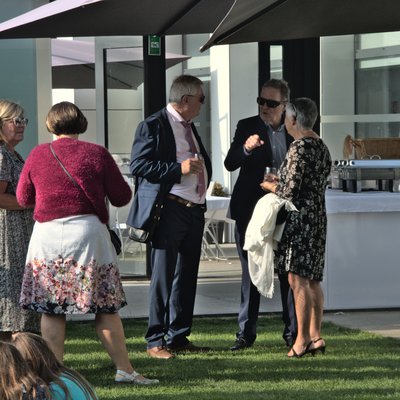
{"x": 71, "y": 265}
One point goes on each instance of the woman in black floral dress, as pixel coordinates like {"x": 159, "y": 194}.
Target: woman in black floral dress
{"x": 302, "y": 179}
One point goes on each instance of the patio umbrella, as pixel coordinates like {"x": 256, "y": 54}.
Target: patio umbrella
{"x": 271, "y": 20}
{"x": 62, "y": 18}
{"x": 73, "y": 65}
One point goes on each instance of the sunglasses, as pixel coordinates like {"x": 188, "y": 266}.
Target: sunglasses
{"x": 270, "y": 103}
{"x": 20, "y": 121}
{"x": 202, "y": 98}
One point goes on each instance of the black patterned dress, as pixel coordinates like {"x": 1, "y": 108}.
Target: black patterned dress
{"x": 302, "y": 180}
{"x": 15, "y": 231}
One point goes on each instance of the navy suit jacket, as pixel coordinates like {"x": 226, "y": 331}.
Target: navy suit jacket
{"x": 153, "y": 163}
{"x": 247, "y": 190}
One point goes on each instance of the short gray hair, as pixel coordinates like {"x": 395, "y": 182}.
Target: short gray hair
{"x": 304, "y": 110}
{"x": 184, "y": 85}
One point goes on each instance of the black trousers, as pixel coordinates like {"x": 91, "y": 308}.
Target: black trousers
{"x": 175, "y": 257}
{"x": 250, "y": 299}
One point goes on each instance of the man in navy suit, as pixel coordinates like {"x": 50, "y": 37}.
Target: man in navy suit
{"x": 167, "y": 151}
{"x": 260, "y": 141}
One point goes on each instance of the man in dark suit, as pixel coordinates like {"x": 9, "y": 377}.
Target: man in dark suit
{"x": 167, "y": 151}
{"x": 260, "y": 141}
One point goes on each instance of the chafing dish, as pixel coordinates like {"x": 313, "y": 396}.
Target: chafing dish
{"x": 357, "y": 175}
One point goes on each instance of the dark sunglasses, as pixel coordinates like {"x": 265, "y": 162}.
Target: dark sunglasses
{"x": 270, "y": 103}
{"x": 202, "y": 98}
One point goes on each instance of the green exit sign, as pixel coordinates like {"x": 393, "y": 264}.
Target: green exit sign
{"x": 154, "y": 45}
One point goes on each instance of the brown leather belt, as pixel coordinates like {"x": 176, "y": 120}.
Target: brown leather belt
{"x": 184, "y": 202}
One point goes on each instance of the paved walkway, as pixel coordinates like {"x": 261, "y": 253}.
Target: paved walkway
{"x": 218, "y": 293}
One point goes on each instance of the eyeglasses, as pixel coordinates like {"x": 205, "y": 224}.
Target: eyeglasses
{"x": 270, "y": 103}
{"x": 294, "y": 109}
{"x": 19, "y": 121}
{"x": 202, "y": 98}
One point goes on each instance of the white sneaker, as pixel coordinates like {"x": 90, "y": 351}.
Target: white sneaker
{"x": 134, "y": 377}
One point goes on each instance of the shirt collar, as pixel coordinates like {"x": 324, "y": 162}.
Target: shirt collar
{"x": 175, "y": 116}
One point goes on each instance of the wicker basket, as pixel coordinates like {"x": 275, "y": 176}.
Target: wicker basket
{"x": 384, "y": 148}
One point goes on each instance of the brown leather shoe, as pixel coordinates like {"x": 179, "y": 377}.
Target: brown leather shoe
{"x": 189, "y": 347}
{"x": 159, "y": 352}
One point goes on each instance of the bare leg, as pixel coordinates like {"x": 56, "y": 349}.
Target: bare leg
{"x": 53, "y": 331}
{"x": 302, "y": 300}
{"x": 111, "y": 334}
{"x": 317, "y": 312}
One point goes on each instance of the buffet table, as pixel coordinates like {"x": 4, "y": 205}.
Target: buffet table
{"x": 362, "y": 264}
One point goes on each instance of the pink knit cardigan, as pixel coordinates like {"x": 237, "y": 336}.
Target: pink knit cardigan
{"x": 43, "y": 182}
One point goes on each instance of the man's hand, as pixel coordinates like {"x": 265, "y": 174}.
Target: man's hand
{"x": 252, "y": 142}
{"x": 191, "y": 166}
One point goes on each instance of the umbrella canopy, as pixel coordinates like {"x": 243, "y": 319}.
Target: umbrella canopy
{"x": 62, "y": 18}
{"x": 271, "y": 20}
{"x": 73, "y": 65}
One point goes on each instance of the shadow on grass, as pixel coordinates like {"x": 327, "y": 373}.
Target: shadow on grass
{"x": 357, "y": 365}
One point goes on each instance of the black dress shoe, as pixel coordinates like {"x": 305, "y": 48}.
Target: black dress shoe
{"x": 240, "y": 344}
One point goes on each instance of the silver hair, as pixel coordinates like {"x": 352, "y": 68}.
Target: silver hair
{"x": 184, "y": 85}
{"x": 304, "y": 110}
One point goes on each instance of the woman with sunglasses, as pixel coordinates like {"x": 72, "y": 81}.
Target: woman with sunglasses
{"x": 302, "y": 179}
{"x": 16, "y": 225}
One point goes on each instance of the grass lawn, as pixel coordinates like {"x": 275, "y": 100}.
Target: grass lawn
{"x": 356, "y": 365}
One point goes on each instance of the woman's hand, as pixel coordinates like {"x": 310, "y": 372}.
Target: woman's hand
{"x": 268, "y": 186}
{"x": 8, "y": 201}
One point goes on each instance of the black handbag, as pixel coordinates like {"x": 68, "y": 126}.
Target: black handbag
{"x": 115, "y": 240}
{"x": 145, "y": 233}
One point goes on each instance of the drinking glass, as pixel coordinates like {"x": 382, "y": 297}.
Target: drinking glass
{"x": 269, "y": 174}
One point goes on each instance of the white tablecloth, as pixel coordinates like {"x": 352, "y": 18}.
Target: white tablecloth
{"x": 338, "y": 202}
{"x": 217, "y": 208}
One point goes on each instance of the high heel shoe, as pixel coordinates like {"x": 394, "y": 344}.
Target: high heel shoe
{"x": 321, "y": 349}
{"x": 303, "y": 353}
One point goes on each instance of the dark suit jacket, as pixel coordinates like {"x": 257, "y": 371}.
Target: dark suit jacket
{"x": 153, "y": 162}
{"x": 247, "y": 189}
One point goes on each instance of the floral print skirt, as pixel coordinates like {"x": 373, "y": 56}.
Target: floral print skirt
{"x": 71, "y": 268}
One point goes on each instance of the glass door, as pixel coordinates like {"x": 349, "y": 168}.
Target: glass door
{"x": 123, "y": 81}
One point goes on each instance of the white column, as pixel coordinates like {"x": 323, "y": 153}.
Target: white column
{"x": 337, "y": 91}
{"x": 234, "y": 88}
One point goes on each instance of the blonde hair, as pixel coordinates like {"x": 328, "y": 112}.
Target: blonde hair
{"x": 9, "y": 110}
